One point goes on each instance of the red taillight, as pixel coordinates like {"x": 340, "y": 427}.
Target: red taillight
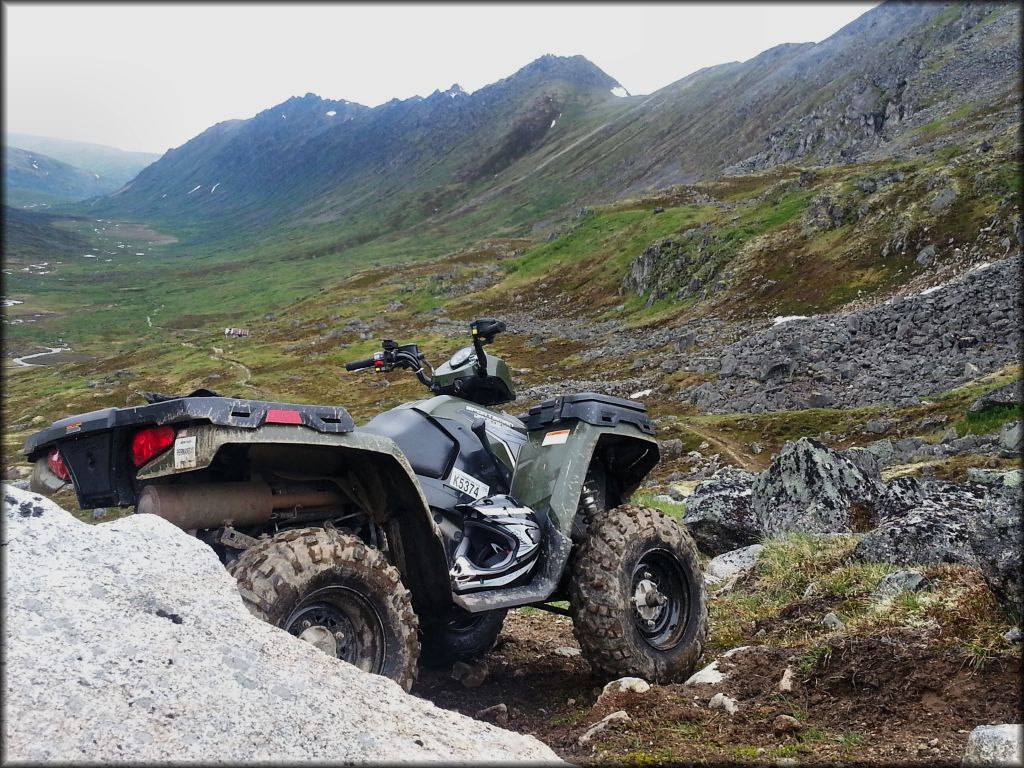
{"x": 150, "y": 443}
{"x": 280, "y": 416}
{"x": 56, "y": 464}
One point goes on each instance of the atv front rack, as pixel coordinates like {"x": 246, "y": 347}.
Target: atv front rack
{"x": 591, "y": 408}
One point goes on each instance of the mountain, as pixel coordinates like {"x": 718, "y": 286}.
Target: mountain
{"x": 552, "y": 136}
{"x": 31, "y": 178}
{"x": 31, "y": 235}
{"x": 115, "y": 167}
{"x": 318, "y": 160}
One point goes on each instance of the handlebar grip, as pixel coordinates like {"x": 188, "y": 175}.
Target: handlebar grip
{"x": 358, "y": 364}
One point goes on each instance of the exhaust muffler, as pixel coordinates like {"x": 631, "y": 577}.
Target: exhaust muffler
{"x": 213, "y": 505}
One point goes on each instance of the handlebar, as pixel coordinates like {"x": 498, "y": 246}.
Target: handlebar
{"x": 408, "y": 356}
{"x": 357, "y": 365}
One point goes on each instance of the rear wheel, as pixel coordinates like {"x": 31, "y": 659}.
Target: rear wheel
{"x": 337, "y": 587}
{"x": 637, "y": 596}
{"x": 463, "y": 637}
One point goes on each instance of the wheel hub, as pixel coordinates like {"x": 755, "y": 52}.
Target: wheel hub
{"x": 340, "y": 618}
{"x": 660, "y": 598}
{"x": 648, "y": 600}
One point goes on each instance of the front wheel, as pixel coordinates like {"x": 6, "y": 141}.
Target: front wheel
{"x": 314, "y": 580}
{"x": 637, "y": 596}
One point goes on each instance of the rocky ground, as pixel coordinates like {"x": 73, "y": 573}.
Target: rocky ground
{"x": 852, "y": 479}
{"x": 853, "y": 620}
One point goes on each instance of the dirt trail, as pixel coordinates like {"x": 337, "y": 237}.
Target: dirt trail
{"x": 729, "y": 449}
{"x": 218, "y": 354}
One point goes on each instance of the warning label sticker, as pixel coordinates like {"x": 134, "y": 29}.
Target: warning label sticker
{"x": 558, "y": 437}
{"x": 185, "y": 452}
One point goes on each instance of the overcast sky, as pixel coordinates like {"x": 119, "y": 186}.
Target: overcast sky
{"x": 150, "y": 77}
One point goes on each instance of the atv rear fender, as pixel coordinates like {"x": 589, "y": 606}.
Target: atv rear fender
{"x": 371, "y": 468}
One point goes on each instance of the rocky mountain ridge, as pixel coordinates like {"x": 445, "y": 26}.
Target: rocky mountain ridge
{"x": 551, "y": 136}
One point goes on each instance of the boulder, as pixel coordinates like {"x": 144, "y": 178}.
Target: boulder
{"x": 879, "y": 426}
{"x": 1011, "y": 437}
{"x": 866, "y": 461}
{"x": 719, "y": 513}
{"x": 809, "y": 488}
{"x": 994, "y": 533}
{"x": 925, "y": 522}
{"x": 1006, "y": 395}
{"x": 726, "y": 569}
{"x": 128, "y": 641}
{"x": 995, "y": 745}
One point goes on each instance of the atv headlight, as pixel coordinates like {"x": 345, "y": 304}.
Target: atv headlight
{"x": 462, "y": 357}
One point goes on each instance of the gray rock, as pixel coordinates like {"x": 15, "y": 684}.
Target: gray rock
{"x": 995, "y": 745}
{"x": 900, "y": 581}
{"x": 883, "y": 450}
{"x": 832, "y": 622}
{"x": 942, "y": 200}
{"x": 817, "y": 354}
{"x": 721, "y": 701}
{"x": 809, "y": 488}
{"x": 925, "y": 255}
{"x": 138, "y": 671}
{"x": 1013, "y": 636}
{"x": 994, "y": 533}
{"x": 866, "y": 461}
{"x": 1008, "y": 478}
{"x": 879, "y": 426}
{"x": 726, "y": 569}
{"x": 719, "y": 514}
{"x": 1006, "y": 395}
{"x": 925, "y": 523}
{"x": 1011, "y": 437}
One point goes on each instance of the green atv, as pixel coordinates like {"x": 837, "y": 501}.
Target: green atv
{"x": 419, "y": 530}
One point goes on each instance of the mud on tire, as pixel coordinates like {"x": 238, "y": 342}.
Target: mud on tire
{"x": 316, "y": 576}
{"x": 632, "y": 557}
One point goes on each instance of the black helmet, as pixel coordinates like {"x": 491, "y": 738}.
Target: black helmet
{"x": 500, "y": 543}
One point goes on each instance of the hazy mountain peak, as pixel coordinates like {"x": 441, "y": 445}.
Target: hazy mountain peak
{"x": 575, "y": 70}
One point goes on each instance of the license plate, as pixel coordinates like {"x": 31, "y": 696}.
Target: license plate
{"x": 467, "y": 484}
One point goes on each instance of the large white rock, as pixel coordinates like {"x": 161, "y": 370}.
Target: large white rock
{"x": 994, "y": 745}
{"x": 128, "y": 641}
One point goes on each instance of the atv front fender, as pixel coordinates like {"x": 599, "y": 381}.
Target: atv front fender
{"x": 549, "y": 478}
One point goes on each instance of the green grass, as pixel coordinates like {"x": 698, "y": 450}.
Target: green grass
{"x": 672, "y": 509}
{"x": 988, "y": 420}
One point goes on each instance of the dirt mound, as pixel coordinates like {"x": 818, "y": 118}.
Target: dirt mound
{"x": 897, "y": 698}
